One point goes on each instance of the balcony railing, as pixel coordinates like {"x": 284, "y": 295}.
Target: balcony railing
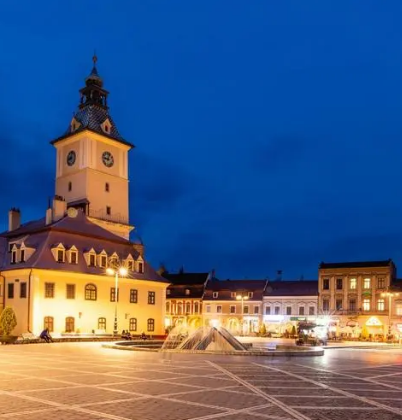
{"x": 101, "y": 215}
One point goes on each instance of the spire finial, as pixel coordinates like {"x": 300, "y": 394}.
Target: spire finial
{"x": 94, "y": 58}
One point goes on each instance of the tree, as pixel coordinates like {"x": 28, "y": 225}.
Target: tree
{"x": 293, "y": 332}
{"x": 263, "y": 329}
{"x": 8, "y": 320}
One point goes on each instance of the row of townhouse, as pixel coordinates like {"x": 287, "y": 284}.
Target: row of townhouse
{"x": 242, "y": 306}
{"x": 349, "y": 298}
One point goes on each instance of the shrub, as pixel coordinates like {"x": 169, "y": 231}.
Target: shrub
{"x": 263, "y": 329}
{"x": 8, "y": 320}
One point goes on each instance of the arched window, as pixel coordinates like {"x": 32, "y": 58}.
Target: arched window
{"x": 90, "y": 292}
{"x": 151, "y": 324}
{"x": 188, "y": 308}
{"x": 48, "y": 322}
{"x": 133, "y": 324}
{"x": 70, "y": 324}
{"x": 179, "y": 308}
{"x": 196, "y": 307}
{"x": 102, "y": 324}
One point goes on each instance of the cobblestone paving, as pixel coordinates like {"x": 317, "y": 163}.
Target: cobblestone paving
{"x": 78, "y": 381}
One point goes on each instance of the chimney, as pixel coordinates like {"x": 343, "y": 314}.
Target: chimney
{"x": 59, "y": 208}
{"x": 279, "y": 275}
{"x": 14, "y": 219}
{"x": 162, "y": 270}
{"x": 49, "y": 216}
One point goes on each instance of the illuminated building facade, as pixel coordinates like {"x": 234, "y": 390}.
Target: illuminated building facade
{"x": 354, "y": 295}
{"x": 53, "y": 270}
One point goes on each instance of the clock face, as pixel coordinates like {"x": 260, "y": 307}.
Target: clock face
{"x": 71, "y": 158}
{"x": 107, "y": 159}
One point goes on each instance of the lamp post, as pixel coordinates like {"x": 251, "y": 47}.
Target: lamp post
{"x": 390, "y": 295}
{"x": 122, "y": 271}
{"x": 242, "y": 298}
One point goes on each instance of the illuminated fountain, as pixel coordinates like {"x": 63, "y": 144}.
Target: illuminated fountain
{"x": 203, "y": 338}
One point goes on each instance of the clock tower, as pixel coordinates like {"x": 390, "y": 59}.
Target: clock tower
{"x": 92, "y": 161}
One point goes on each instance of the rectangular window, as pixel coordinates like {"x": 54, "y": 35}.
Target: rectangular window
{"x": 311, "y": 310}
{"x": 301, "y": 310}
{"x": 353, "y": 284}
{"x": 102, "y": 324}
{"x": 23, "y": 290}
{"x": 48, "y": 323}
{"x": 215, "y": 295}
{"x": 381, "y": 305}
{"x": 208, "y": 308}
{"x": 133, "y": 296}
{"x": 381, "y": 283}
{"x": 366, "y": 304}
{"x": 70, "y": 291}
{"x": 218, "y": 309}
{"x": 151, "y": 324}
{"x": 60, "y": 255}
{"x": 73, "y": 257}
{"x": 367, "y": 283}
{"x": 339, "y": 284}
{"x": 399, "y": 308}
{"x": 325, "y": 305}
{"x": 22, "y": 255}
{"x": 107, "y": 187}
{"x": 140, "y": 267}
{"x": 151, "y": 298}
{"x": 256, "y": 310}
{"x": 133, "y": 324}
{"x": 325, "y": 284}
{"x": 277, "y": 309}
{"x": 250, "y": 295}
{"x": 92, "y": 260}
{"x": 113, "y": 294}
{"x": 108, "y": 210}
{"x": 352, "y": 304}
{"x": 233, "y": 295}
{"x": 49, "y": 290}
{"x": 338, "y": 304}
{"x": 288, "y": 310}
{"x": 232, "y": 309}
{"x": 245, "y": 310}
{"x": 10, "y": 294}
{"x": 267, "y": 310}
{"x": 196, "y": 307}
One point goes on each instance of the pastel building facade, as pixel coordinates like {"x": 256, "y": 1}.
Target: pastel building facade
{"x": 53, "y": 271}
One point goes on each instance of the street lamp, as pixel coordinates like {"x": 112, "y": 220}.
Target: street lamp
{"x": 390, "y": 295}
{"x": 242, "y": 298}
{"x": 122, "y": 271}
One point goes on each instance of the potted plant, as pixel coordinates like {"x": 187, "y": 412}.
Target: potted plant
{"x": 8, "y": 321}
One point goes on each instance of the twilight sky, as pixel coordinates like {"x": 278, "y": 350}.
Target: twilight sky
{"x": 268, "y": 133}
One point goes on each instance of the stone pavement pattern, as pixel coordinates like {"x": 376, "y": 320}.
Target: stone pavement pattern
{"x": 71, "y": 381}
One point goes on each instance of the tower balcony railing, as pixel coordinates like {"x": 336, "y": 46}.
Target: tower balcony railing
{"x": 102, "y": 215}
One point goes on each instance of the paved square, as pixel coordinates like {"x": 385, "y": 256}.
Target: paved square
{"x": 76, "y": 381}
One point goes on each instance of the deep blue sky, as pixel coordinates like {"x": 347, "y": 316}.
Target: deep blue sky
{"x": 268, "y": 133}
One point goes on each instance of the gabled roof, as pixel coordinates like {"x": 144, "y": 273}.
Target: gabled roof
{"x": 69, "y": 231}
{"x": 226, "y": 288}
{"x": 292, "y": 288}
{"x": 183, "y": 278}
{"x": 91, "y": 118}
{"x": 358, "y": 264}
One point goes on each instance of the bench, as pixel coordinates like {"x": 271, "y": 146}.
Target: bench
{"x": 30, "y": 338}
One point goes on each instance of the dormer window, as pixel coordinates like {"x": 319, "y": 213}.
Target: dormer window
{"x": 103, "y": 261}
{"x": 187, "y": 292}
{"x": 250, "y": 294}
{"x": 233, "y": 295}
{"x": 140, "y": 267}
{"x": 60, "y": 255}
{"x": 13, "y": 256}
{"x": 168, "y": 291}
{"x": 22, "y": 255}
{"x": 130, "y": 265}
{"x": 107, "y": 128}
{"x": 215, "y": 295}
{"x": 92, "y": 260}
{"x": 74, "y": 257}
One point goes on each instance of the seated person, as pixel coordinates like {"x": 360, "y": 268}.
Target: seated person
{"x": 45, "y": 335}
